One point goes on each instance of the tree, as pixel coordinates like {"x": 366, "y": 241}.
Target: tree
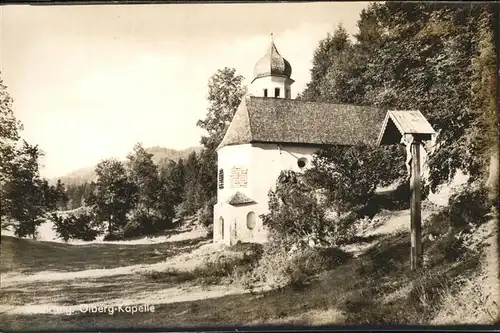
{"x": 174, "y": 180}
{"x": 27, "y": 196}
{"x": 9, "y": 136}
{"x": 75, "y": 227}
{"x": 425, "y": 61}
{"x": 142, "y": 171}
{"x": 351, "y": 174}
{"x": 330, "y": 74}
{"x": 114, "y": 196}
{"x": 434, "y": 57}
{"x": 225, "y": 91}
{"x": 61, "y": 195}
{"x": 193, "y": 189}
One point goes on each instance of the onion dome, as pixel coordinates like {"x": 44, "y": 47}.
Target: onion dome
{"x": 272, "y": 63}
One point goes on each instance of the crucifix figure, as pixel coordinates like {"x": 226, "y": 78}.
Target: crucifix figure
{"x": 407, "y": 140}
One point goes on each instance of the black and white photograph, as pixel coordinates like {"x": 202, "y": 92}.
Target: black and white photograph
{"x": 248, "y": 165}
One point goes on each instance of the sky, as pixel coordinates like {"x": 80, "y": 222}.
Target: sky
{"x": 88, "y": 82}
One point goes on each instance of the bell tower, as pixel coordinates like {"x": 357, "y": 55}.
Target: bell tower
{"x": 272, "y": 75}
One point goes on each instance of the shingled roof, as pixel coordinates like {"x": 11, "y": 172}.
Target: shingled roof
{"x": 279, "y": 120}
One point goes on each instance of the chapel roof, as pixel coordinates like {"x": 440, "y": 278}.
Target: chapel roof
{"x": 272, "y": 63}
{"x": 280, "y": 120}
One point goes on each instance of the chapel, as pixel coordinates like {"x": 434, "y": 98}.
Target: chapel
{"x": 271, "y": 132}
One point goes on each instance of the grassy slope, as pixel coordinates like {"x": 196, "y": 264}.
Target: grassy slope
{"x": 377, "y": 287}
{"x": 28, "y": 256}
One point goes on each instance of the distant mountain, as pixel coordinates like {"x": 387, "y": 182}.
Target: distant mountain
{"x": 161, "y": 156}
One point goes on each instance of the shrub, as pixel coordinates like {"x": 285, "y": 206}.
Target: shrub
{"x": 282, "y": 262}
{"x": 171, "y": 276}
{"x": 142, "y": 224}
{"x": 342, "y": 230}
{"x": 446, "y": 248}
{"x": 75, "y": 227}
{"x": 305, "y": 264}
{"x": 469, "y": 207}
{"x": 295, "y": 209}
{"x": 225, "y": 266}
{"x": 271, "y": 267}
{"x": 115, "y": 236}
{"x": 437, "y": 224}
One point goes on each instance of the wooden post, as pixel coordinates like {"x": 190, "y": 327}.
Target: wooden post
{"x": 416, "y": 223}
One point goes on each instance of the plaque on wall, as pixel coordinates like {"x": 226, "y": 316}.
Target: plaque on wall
{"x": 239, "y": 177}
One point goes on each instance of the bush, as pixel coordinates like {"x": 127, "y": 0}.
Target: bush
{"x": 295, "y": 209}
{"x": 271, "y": 266}
{"x": 342, "y": 230}
{"x": 469, "y": 207}
{"x": 282, "y": 262}
{"x": 448, "y": 248}
{"x": 437, "y": 224}
{"x": 224, "y": 266}
{"x": 306, "y": 264}
{"x": 171, "y": 276}
{"x": 115, "y": 236}
{"x": 139, "y": 225}
{"x": 75, "y": 227}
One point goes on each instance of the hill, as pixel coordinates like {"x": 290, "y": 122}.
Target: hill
{"x": 161, "y": 156}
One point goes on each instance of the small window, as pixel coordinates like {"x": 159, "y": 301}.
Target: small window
{"x": 301, "y": 162}
{"x": 221, "y": 227}
{"x": 276, "y": 92}
{"x": 221, "y": 179}
{"x": 251, "y": 220}
{"x": 265, "y": 92}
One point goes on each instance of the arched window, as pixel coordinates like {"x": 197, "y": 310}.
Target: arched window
{"x": 276, "y": 92}
{"x": 251, "y": 220}
{"x": 265, "y": 92}
{"x": 221, "y": 179}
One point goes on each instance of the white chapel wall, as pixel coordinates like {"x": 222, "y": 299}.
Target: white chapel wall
{"x": 268, "y": 161}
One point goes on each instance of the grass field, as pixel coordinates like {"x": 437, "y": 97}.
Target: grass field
{"x": 376, "y": 287}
